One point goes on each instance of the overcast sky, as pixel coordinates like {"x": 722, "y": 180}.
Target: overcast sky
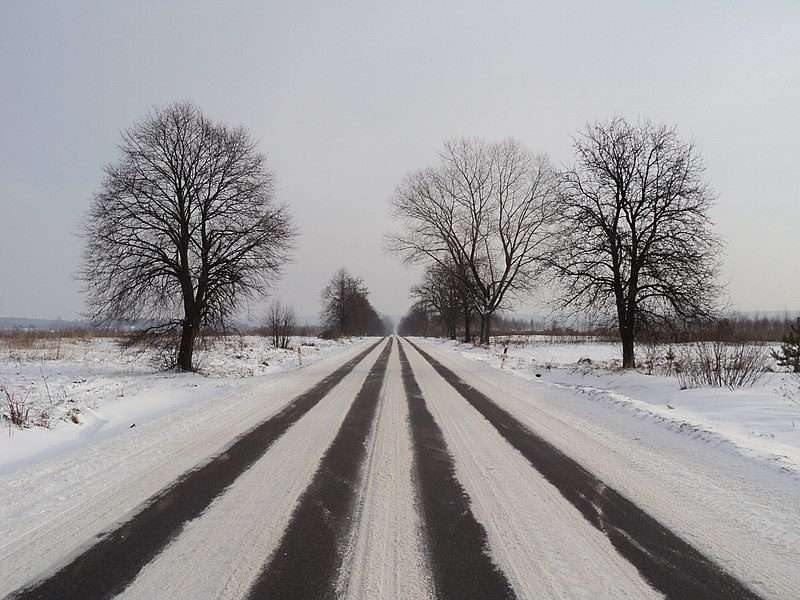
{"x": 346, "y": 97}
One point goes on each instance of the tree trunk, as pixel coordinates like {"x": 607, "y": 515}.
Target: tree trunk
{"x": 467, "y": 326}
{"x": 186, "y": 350}
{"x": 486, "y": 322}
{"x": 628, "y": 359}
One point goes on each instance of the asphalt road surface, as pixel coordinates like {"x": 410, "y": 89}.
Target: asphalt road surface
{"x": 399, "y": 473}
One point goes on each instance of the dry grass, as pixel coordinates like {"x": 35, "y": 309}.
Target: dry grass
{"x": 24, "y": 345}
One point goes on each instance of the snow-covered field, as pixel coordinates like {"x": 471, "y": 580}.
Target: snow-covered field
{"x": 762, "y": 422}
{"x": 82, "y": 391}
{"x": 86, "y": 390}
{"x": 719, "y": 467}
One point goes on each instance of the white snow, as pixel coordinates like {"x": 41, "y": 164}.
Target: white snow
{"x": 385, "y": 557}
{"x": 762, "y": 422}
{"x": 60, "y": 487}
{"x": 720, "y": 468}
{"x": 109, "y": 390}
{"x": 735, "y": 500}
{"x": 232, "y": 539}
{"x": 537, "y": 537}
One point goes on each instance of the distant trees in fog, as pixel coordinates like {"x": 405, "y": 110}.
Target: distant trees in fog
{"x": 346, "y": 309}
{"x": 415, "y": 322}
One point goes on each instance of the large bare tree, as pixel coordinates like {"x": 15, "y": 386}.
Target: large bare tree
{"x": 184, "y": 228}
{"x": 485, "y": 212}
{"x": 636, "y": 242}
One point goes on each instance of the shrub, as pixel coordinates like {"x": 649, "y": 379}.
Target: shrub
{"x": 16, "y": 405}
{"x": 789, "y": 356}
{"x": 720, "y": 364}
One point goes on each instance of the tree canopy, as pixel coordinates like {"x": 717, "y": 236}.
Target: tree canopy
{"x": 484, "y": 212}
{"x": 184, "y": 228}
{"x": 636, "y": 243}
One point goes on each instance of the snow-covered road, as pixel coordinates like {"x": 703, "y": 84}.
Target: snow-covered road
{"x": 520, "y": 532}
{"x": 736, "y": 510}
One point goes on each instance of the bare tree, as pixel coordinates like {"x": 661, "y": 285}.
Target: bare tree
{"x": 280, "y": 323}
{"x": 636, "y": 242}
{"x": 184, "y": 228}
{"x": 415, "y": 321}
{"x": 485, "y": 209}
{"x": 445, "y": 293}
{"x": 342, "y": 299}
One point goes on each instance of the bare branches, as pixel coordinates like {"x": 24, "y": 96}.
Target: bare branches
{"x": 280, "y": 322}
{"x": 485, "y": 213}
{"x": 444, "y": 293}
{"x": 635, "y": 234}
{"x": 184, "y": 227}
{"x": 346, "y": 310}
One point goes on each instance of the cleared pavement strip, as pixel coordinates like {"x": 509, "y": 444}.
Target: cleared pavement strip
{"x": 666, "y": 561}
{"x": 461, "y": 566}
{"x": 310, "y": 560}
{"x": 307, "y": 561}
{"x": 386, "y": 554}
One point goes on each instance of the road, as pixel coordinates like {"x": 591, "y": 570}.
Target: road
{"x": 402, "y": 471}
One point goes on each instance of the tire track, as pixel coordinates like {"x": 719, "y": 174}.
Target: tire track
{"x": 457, "y": 543}
{"x": 111, "y": 563}
{"x": 535, "y": 535}
{"x": 386, "y": 556}
{"x": 308, "y": 559}
{"x": 666, "y": 561}
{"x": 219, "y": 554}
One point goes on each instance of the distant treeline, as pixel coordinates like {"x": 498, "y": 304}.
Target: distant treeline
{"x": 752, "y": 327}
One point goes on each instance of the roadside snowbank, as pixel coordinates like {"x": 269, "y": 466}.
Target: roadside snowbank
{"x": 82, "y": 391}
{"x": 761, "y": 422}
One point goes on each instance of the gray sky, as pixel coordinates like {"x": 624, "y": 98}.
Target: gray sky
{"x": 346, "y": 97}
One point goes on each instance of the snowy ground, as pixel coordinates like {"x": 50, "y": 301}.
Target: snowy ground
{"x": 82, "y": 391}
{"x": 720, "y": 468}
{"x": 762, "y": 421}
{"x": 90, "y": 389}
{"x": 732, "y": 496}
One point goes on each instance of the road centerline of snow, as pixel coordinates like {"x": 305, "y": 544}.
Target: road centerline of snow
{"x": 666, "y": 561}
{"x": 457, "y": 542}
{"x": 108, "y": 566}
{"x": 386, "y": 556}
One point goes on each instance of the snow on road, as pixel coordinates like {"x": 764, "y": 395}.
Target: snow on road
{"x": 737, "y": 508}
{"x": 385, "y": 557}
{"x": 229, "y": 543}
{"x": 537, "y": 537}
{"x": 762, "y": 421}
{"x": 50, "y": 507}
